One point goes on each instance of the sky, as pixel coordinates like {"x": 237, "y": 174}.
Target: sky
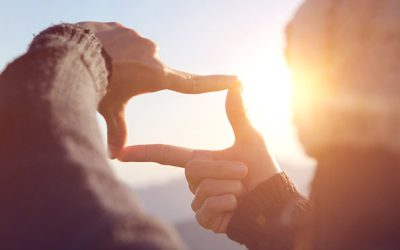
{"x": 245, "y": 38}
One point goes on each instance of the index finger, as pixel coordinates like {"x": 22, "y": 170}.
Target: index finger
{"x": 198, "y": 169}
{"x": 159, "y": 153}
{"x": 187, "y": 83}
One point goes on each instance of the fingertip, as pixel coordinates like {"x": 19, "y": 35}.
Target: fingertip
{"x": 238, "y": 85}
{"x": 236, "y": 82}
{"x": 231, "y": 81}
{"x": 241, "y": 169}
{"x": 236, "y": 90}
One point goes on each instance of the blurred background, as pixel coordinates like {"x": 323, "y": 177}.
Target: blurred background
{"x": 244, "y": 38}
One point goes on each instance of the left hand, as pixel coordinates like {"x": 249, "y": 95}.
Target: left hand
{"x": 136, "y": 69}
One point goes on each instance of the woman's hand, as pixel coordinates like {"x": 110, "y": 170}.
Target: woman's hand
{"x": 136, "y": 69}
{"x": 218, "y": 187}
{"x": 249, "y": 149}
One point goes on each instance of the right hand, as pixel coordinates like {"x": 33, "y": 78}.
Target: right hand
{"x": 218, "y": 187}
{"x": 216, "y": 167}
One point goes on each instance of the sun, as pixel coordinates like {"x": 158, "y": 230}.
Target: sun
{"x": 267, "y": 89}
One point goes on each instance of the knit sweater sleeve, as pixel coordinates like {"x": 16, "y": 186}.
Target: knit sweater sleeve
{"x": 57, "y": 190}
{"x": 269, "y": 216}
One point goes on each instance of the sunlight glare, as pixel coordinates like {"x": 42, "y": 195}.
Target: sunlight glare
{"x": 267, "y": 93}
{"x": 267, "y": 90}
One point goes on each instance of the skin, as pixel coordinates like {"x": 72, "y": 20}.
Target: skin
{"x": 218, "y": 179}
{"x": 137, "y": 69}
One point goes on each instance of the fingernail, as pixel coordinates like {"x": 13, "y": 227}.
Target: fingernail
{"x": 237, "y": 83}
{"x": 241, "y": 168}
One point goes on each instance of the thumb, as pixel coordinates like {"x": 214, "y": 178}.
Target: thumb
{"x": 237, "y": 116}
{"x": 116, "y": 131}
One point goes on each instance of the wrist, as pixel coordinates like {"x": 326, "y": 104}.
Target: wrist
{"x": 266, "y": 169}
{"x": 258, "y": 216}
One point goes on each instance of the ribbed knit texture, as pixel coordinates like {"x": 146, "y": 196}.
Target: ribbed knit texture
{"x": 267, "y": 217}
{"x": 93, "y": 55}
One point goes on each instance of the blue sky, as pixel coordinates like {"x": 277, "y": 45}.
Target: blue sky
{"x": 204, "y": 37}
{"x": 187, "y": 31}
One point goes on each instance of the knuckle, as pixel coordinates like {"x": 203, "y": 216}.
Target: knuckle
{"x": 235, "y": 169}
{"x": 237, "y": 187}
{"x": 148, "y": 42}
{"x": 215, "y": 229}
{"x": 193, "y": 205}
{"x": 231, "y": 200}
{"x": 192, "y": 188}
{"x": 207, "y": 222}
{"x": 205, "y": 187}
{"x": 201, "y": 220}
{"x": 152, "y": 46}
{"x": 211, "y": 204}
{"x": 149, "y": 45}
{"x": 116, "y": 24}
{"x": 189, "y": 174}
{"x": 191, "y": 169}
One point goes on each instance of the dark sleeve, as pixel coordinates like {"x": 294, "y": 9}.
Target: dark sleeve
{"x": 57, "y": 190}
{"x": 269, "y": 216}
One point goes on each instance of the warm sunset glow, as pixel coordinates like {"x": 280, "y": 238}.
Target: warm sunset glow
{"x": 267, "y": 81}
{"x": 267, "y": 89}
